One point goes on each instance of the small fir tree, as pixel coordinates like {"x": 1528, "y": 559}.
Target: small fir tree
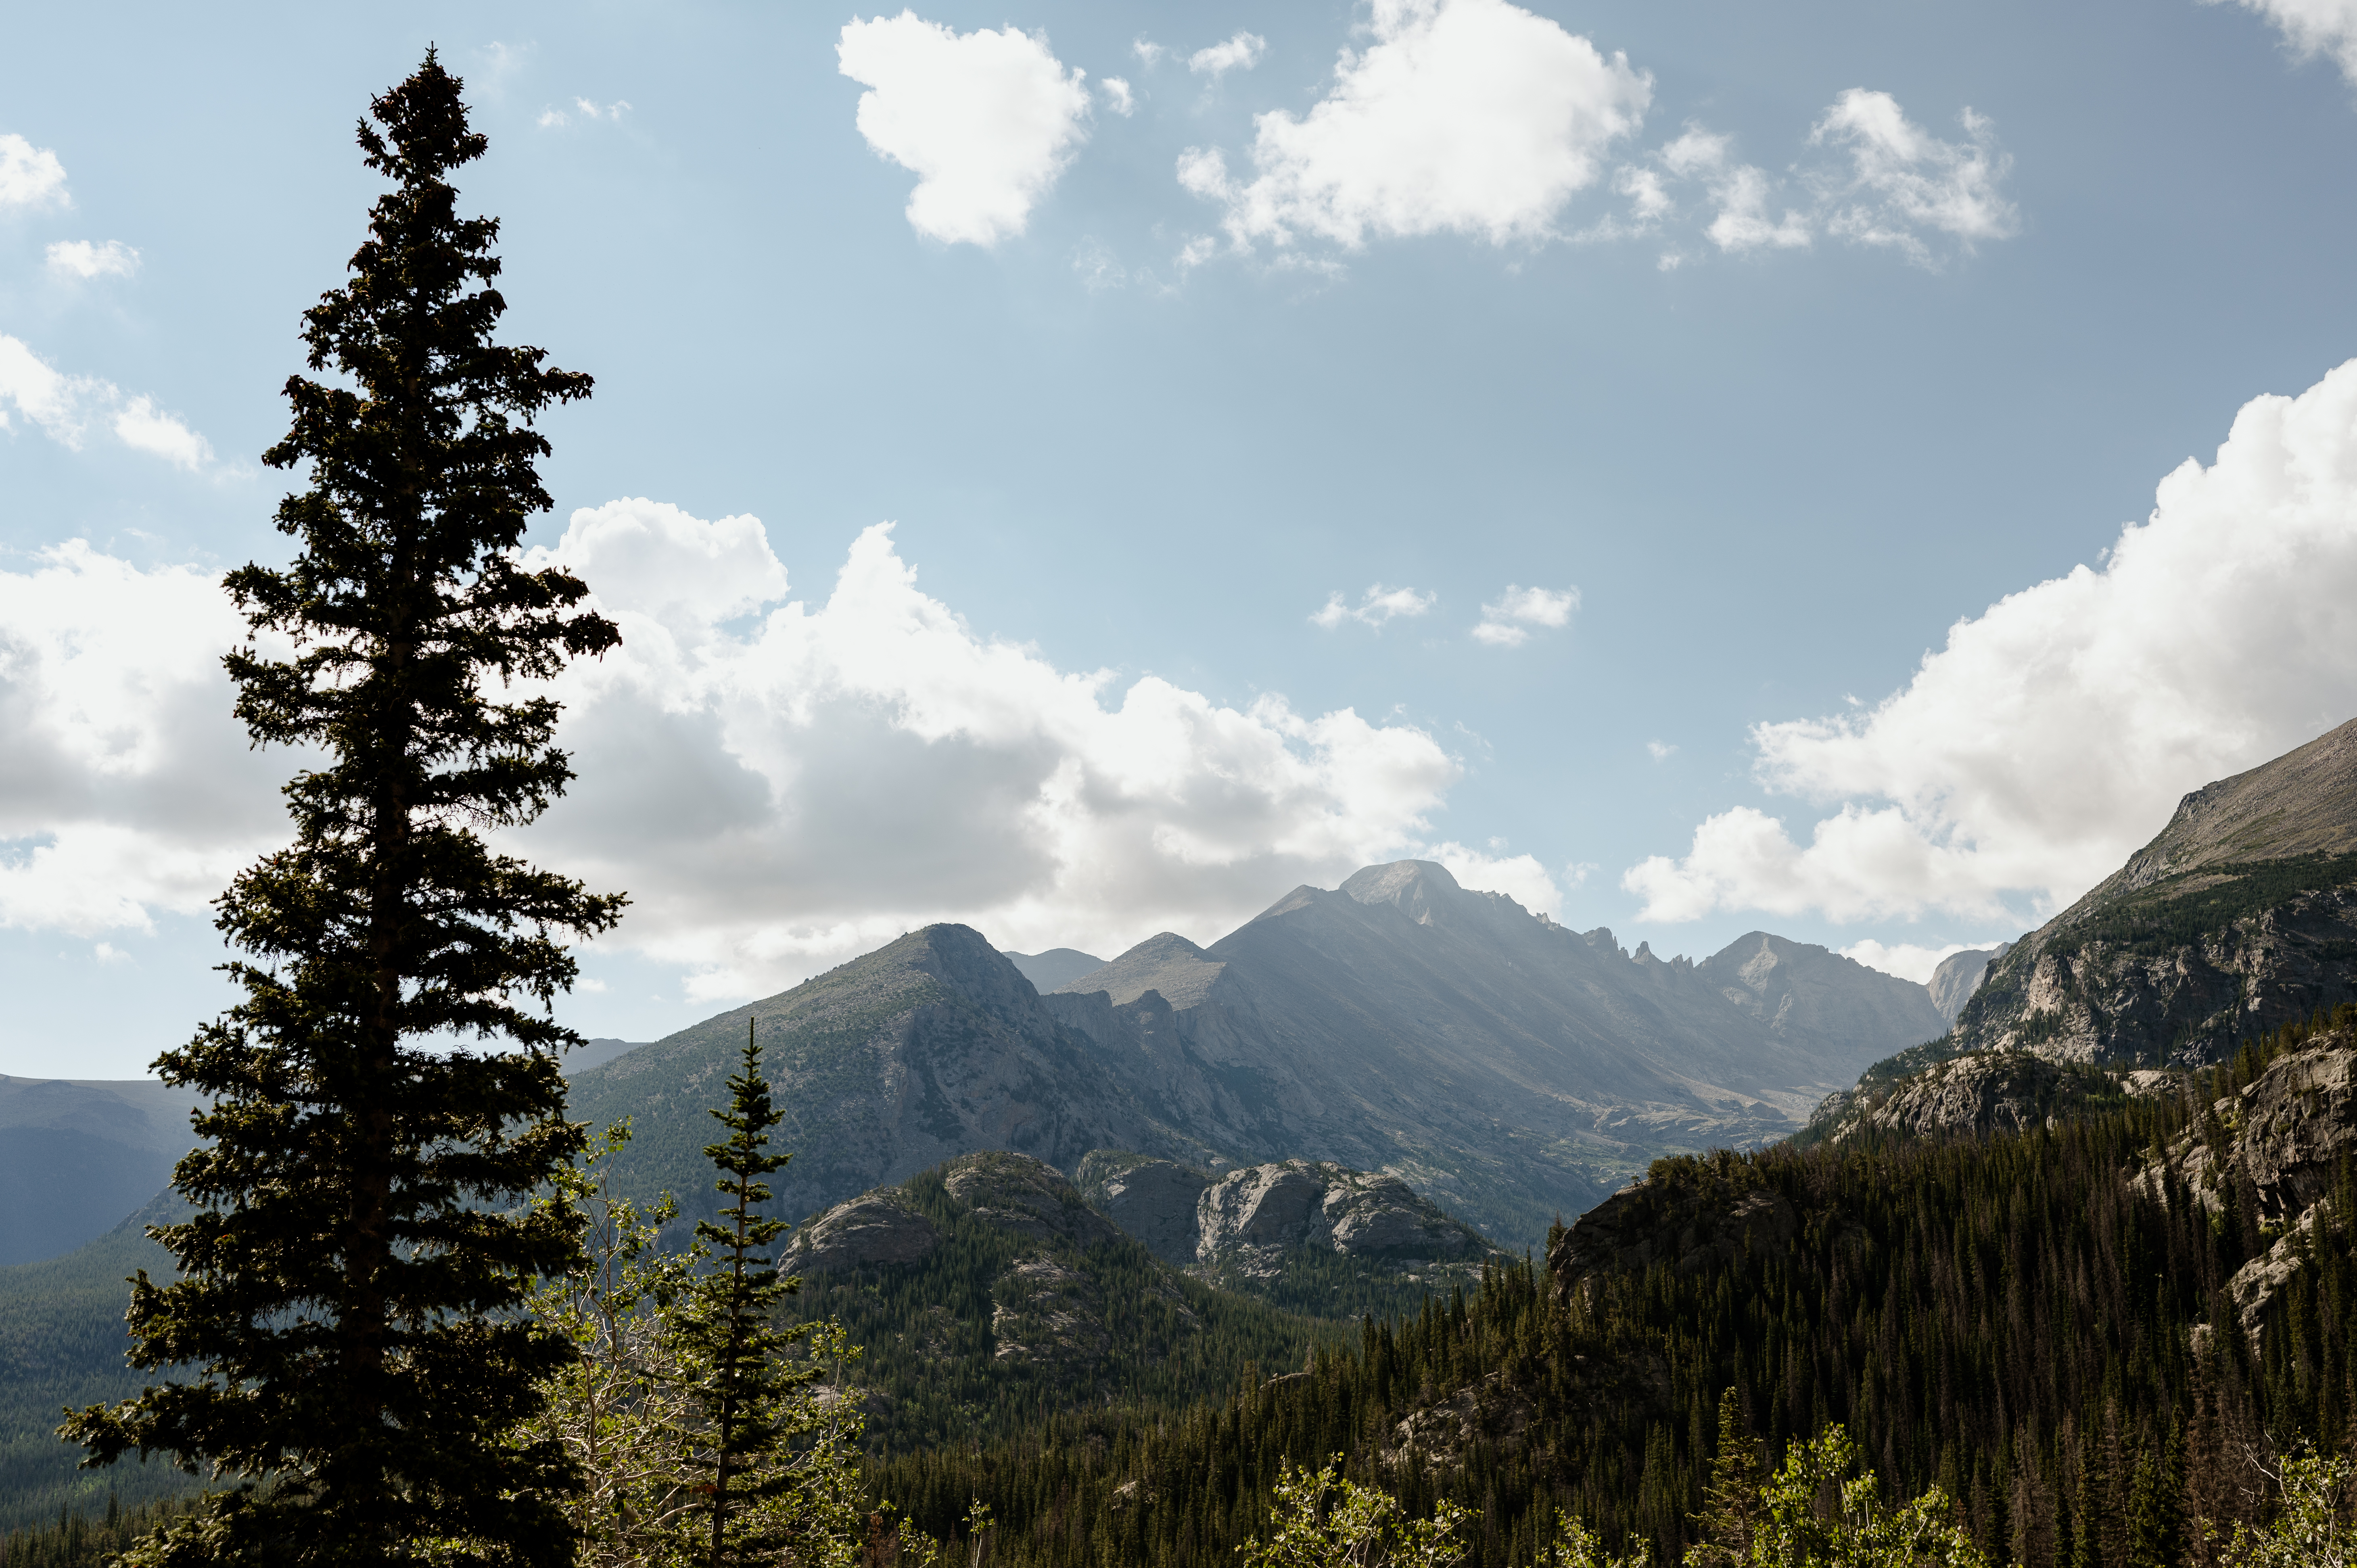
{"x": 1731, "y": 1504}
{"x": 350, "y": 1282}
{"x": 730, "y": 1320}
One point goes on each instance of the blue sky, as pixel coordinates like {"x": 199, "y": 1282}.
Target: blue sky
{"x": 1729, "y": 363}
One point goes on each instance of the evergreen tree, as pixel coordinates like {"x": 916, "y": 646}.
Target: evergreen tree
{"x": 1731, "y": 1504}
{"x": 351, "y": 1281}
{"x": 730, "y": 1319}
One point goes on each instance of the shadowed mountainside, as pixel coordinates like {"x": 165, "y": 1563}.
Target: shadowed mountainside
{"x": 929, "y": 1047}
{"x": 77, "y": 1154}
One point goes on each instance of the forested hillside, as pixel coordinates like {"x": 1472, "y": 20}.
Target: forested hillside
{"x": 61, "y": 1342}
{"x": 2058, "y": 1327}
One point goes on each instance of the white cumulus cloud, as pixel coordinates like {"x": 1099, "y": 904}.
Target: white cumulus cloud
{"x": 125, "y": 786}
{"x": 1463, "y": 116}
{"x": 1507, "y": 622}
{"x": 83, "y": 259}
{"x": 1241, "y": 52}
{"x": 1376, "y": 606}
{"x": 986, "y": 120}
{"x": 2054, "y": 733}
{"x": 2312, "y": 28}
{"x": 1119, "y": 97}
{"x": 30, "y": 176}
{"x": 779, "y": 784}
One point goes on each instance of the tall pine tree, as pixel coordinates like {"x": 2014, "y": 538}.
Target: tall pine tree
{"x": 349, "y": 1282}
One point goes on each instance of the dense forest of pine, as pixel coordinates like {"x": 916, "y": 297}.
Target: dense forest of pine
{"x": 2008, "y": 1317}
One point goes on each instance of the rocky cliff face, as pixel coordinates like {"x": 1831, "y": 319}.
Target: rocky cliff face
{"x": 1251, "y": 1220}
{"x": 2275, "y": 1150}
{"x": 1981, "y": 1094}
{"x": 2240, "y": 916}
{"x": 2157, "y": 993}
{"x": 929, "y": 1049}
{"x": 1498, "y": 1064}
{"x": 999, "y": 1269}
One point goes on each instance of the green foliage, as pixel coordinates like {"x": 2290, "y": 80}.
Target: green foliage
{"x": 1327, "y": 1520}
{"x": 2313, "y": 1526}
{"x": 622, "y": 1409}
{"x": 629, "y": 1412}
{"x": 1818, "y": 1513}
{"x": 352, "y": 1275}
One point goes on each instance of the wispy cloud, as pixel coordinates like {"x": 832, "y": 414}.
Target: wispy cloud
{"x": 1889, "y": 183}
{"x": 1241, "y": 52}
{"x": 585, "y": 109}
{"x": 1375, "y": 607}
{"x": 1507, "y": 622}
{"x": 63, "y": 408}
{"x": 82, "y": 259}
{"x": 2313, "y": 28}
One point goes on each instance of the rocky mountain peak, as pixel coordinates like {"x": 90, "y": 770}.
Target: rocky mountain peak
{"x": 961, "y": 958}
{"x": 1420, "y": 889}
{"x": 1169, "y": 964}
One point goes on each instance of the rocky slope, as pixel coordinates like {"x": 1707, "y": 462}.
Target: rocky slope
{"x": 1299, "y": 1233}
{"x": 987, "y": 1293}
{"x": 1980, "y": 1094}
{"x": 2269, "y": 1160}
{"x": 1499, "y": 1064}
{"x": 2240, "y": 914}
{"x": 930, "y": 1047}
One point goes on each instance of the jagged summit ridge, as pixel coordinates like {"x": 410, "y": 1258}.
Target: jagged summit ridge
{"x": 1505, "y": 1066}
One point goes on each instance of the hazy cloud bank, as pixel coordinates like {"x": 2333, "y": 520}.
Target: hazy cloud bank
{"x": 779, "y": 785}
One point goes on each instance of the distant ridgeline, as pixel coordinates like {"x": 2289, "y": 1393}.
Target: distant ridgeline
{"x": 2087, "y": 1333}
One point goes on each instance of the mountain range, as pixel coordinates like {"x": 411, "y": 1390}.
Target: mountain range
{"x": 1502, "y": 1065}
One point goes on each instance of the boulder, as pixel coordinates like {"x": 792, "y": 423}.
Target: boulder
{"x": 1154, "y": 1200}
{"x": 881, "y": 1227}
